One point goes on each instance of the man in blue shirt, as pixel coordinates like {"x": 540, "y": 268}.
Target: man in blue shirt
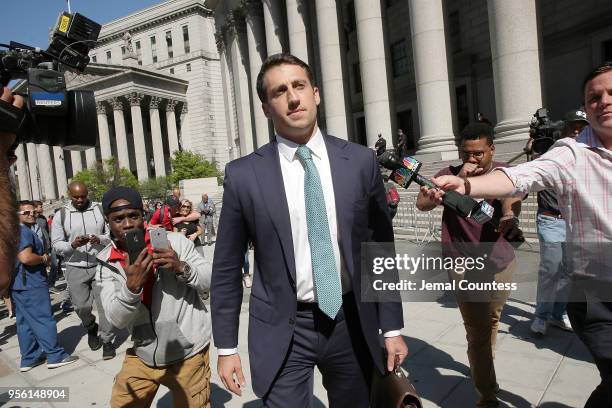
{"x": 36, "y": 328}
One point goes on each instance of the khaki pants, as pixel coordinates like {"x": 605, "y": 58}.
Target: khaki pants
{"x": 137, "y": 383}
{"x": 481, "y": 320}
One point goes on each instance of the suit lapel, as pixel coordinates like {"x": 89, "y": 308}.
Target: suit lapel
{"x": 342, "y": 180}
{"x": 270, "y": 180}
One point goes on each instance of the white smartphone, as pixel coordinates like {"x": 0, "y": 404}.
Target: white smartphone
{"x": 159, "y": 238}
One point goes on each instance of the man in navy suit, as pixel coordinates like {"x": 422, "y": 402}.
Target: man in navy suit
{"x": 307, "y": 201}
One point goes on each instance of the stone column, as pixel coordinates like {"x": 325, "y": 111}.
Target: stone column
{"x": 45, "y": 168}
{"x": 228, "y": 95}
{"x": 331, "y": 70}
{"x": 156, "y": 136}
{"x": 431, "y": 73}
{"x": 123, "y": 156}
{"x": 235, "y": 28}
{"x": 90, "y": 157}
{"x": 140, "y": 151}
{"x": 256, "y": 44}
{"x": 376, "y": 99}
{"x": 183, "y": 119}
{"x": 513, "y": 28}
{"x": 34, "y": 171}
{"x": 173, "y": 143}
{"x": 105, "y": 145}
{"x": 23, "y": 175}
{"x": 77, "y": 161}
{"x": 60, "y": 171}
{"x": 297, "y": 20}
{"x": 275, "y": 26}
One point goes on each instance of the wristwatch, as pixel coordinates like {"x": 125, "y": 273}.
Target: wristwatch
{"x": 184, "y": 276}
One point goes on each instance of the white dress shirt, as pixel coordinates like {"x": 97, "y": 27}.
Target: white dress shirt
{"x": 293, "y": 180}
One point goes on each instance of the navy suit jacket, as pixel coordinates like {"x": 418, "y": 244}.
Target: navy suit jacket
{"x": 255, "y": 208}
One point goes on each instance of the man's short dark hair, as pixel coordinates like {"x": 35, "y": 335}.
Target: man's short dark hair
{"x": 36, "y": 203}
{"x": 23, "y": 203}
{"x": 602, "y": 69}
{"x": 172, "y": 202}
{"x": 274, "y": 61}
{"x": 477, "y": 130}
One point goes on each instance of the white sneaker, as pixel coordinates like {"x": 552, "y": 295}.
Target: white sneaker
{"x": 65, "y": 361}
{"x": 563, "y": 323}
{"x": 538, "y": 326}
{"x": 246, "y": 279}
{"x": 38, "y": 362}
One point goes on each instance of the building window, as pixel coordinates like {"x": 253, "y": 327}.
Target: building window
{"x": 94, "y": 58}
{"x": 122, "y": 50}
{"x": 153, "y": 49}
{"x": 108, "y": 57}
{"x": 186, "y": 39}
{"x": 454, "y": 31}
{"x": 399, "y": 56}
{"x": 172, "y": 70}
{"x": 357, "y": 77}
{"x": 607, "y": 50}
{"x": 138, "y": 52}
{"x": 188, "y": 67}
{"x": 169, "y": 43}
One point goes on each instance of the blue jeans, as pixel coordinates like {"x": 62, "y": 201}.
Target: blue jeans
{"x": 553, "y": 277}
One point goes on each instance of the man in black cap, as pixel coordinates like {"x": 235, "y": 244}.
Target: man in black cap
{"x": 553, "y": 278}
{"x": 171, "y": 343}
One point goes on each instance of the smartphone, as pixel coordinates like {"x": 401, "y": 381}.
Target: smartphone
{"x": 135, "y": 242}
{"x": 159, "y": 238}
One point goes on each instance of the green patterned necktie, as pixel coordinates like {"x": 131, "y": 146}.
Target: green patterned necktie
{"x": 326, "y": 279}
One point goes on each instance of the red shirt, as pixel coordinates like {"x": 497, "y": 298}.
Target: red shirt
{"x": 117, "y": 255}
{"x": 156, "y": 219}
{"x": 457, "y": 230}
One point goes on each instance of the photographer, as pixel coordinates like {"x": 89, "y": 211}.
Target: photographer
{"x": 553, "y": 279}
{"x": 10, "y": 231}
{"x": 158, "y": 298}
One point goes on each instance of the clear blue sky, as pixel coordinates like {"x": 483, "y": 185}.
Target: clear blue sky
{"x": 29, "y": 21}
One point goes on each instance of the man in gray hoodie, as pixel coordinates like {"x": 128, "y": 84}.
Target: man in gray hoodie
{"x": 79, "y": 232}
{"x": 159, "y": 298}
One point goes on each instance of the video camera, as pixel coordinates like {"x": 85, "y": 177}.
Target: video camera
{"x": 544, "y": 131}
{"x": 53, "y": 115}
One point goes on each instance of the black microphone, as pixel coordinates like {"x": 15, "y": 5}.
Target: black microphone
{"x": 406, "y": 171}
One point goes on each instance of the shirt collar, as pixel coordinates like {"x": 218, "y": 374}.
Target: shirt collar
{"x": 589, "y": 138}
{"x": 288, "y": 148}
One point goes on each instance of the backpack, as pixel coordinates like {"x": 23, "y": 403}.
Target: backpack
{"x": 62, "y": 213}
{"x": 393, "y": 197}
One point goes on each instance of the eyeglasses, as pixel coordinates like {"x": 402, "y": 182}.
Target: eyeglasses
{"x": 478, "y": 154}
{"x": 185, "y": 206}
{"x": 25, "y": 212}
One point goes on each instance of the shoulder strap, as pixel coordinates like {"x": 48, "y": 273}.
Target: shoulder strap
{"x": 62, "y": 212}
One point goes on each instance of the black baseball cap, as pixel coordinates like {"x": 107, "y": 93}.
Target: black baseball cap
{"x": 121, "y": 193}
{"x": 576, "y": 115}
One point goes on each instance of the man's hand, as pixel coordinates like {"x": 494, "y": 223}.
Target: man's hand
{"x": 193, "y": 236}
{"x": 509, "y": 227}
{"x": 444, "y": 183}
{"x": 167, "y": 259}
{"x": 8, "y": 139}
{"x": 227, "y": 366}
{"x": 80, "y": 241}
{"x": 470, "y": 170}
{"x": 94, "y": 239}
{"x": 137, "y": 272}
{"x": 395, "y": 346}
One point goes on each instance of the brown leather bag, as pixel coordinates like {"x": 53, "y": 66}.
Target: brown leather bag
{"x": 393, "y": 390}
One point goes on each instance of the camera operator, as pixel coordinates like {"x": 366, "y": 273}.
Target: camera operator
{"x": 553, "y": 279}
{"x": 9, "y": 233}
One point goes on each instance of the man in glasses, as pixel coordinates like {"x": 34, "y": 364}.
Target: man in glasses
{"x": 36, "y": 328}
{"x": 480, "y": 318}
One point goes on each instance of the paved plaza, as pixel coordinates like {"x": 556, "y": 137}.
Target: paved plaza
{"x": 555, "y": 371}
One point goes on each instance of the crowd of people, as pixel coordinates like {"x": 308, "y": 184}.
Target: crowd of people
{"x": 305, "y": 213}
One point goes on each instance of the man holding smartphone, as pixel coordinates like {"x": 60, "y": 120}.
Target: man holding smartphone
{"x": 79, "y": 232}
{"x": 139, "y": 274}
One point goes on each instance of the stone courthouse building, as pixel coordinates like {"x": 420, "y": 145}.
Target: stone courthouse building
{"x": 181, "y": 74}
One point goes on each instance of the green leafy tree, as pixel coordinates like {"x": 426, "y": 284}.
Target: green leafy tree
{"x": 102, "y": 177}
{"x": 155, "y": 188}
{"x": 189, "y": 165}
